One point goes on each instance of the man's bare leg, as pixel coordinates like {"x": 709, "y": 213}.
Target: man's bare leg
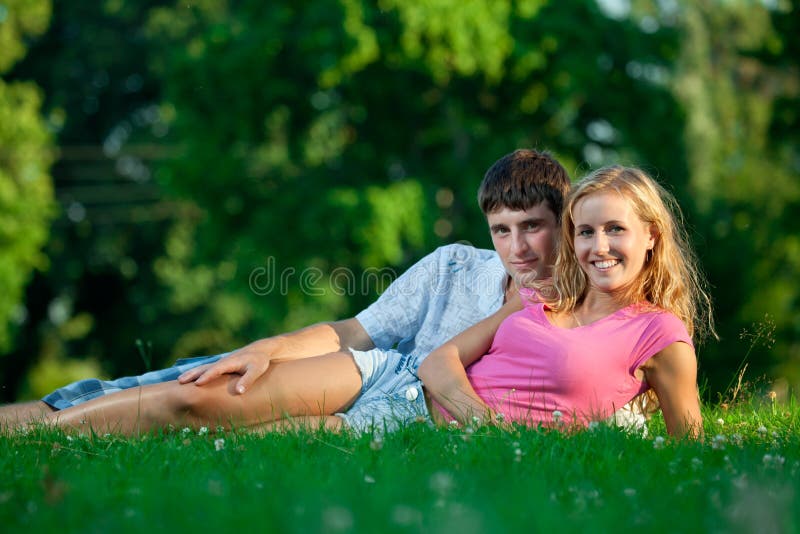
{"x": 12, "y": 415}
{"x": 317, "y": 386}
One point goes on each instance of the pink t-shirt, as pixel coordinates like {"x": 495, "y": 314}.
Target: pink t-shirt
{"x": 587, "y": 373}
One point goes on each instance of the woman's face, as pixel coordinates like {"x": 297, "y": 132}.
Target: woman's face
{"x": 611, "y": 241}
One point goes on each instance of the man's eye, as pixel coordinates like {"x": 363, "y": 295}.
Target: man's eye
{"x": 500, "y": 231}
{"x": 532, "y": 226}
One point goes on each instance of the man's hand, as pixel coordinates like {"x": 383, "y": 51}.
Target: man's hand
{"x": 251, "y": 361}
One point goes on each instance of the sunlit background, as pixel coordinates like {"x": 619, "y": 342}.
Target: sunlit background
{"x": 155, "y": 155}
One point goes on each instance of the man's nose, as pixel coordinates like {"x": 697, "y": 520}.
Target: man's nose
{"x": 518, "y": 243}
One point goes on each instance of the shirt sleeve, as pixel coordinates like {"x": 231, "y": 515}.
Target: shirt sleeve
{"x": 399, "y": 312}
{"x": 661, "y": 332}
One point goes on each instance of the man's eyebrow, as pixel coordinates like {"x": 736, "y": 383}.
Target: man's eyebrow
{"x": 498, "y": 226}
{"x": 536, "y": 220}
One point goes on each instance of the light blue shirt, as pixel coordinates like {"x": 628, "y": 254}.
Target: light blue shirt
{"x": 440, "y": 296}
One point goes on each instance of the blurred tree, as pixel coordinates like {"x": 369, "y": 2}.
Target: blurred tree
{"x": 351, "y": 134}
{"x": 233, "y": 169}
{"x": 735, "y": 76}
{"x": 100, "y": 294}
{"x": 26, "y": 153}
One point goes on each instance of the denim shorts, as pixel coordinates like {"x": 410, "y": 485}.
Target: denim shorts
{"x": 92, "y": 388}
{"x": 391, "y": 393}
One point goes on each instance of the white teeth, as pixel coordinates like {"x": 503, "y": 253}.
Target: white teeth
{"x": 605, "y": 264}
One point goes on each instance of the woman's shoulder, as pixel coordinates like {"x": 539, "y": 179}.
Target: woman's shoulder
{"x": 659, "y": 321}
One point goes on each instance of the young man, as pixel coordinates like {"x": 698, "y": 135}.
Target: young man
{"x": 443, "y": 294}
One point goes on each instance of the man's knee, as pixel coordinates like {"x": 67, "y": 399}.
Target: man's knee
{"x": 194, "y": 402}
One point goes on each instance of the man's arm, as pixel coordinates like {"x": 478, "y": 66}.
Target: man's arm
{"x": 252, "y": 361}
{"x": 444, "y": 373}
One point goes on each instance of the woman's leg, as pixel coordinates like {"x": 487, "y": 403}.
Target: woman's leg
{"x": 317, "y": 386}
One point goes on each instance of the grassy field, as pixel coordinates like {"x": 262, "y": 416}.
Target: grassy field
{"x": 743, "y": 477}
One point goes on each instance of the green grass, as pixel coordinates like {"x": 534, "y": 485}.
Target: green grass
{"x": 419, "y": 479}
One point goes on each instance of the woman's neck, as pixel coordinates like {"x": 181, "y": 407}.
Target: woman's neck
{"x": 597, "y": 304}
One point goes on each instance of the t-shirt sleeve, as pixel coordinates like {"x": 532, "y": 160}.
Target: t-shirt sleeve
{"x": 400, "y": 310}
{"x": 661, "y": 332}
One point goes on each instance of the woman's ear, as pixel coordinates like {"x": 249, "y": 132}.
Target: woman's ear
{"x": 654, "y": 235}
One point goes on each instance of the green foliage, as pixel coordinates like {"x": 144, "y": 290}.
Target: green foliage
{"x": 743, "y": 182}
{"x": 350, "y": 136}
{"x": 26, "y": 194}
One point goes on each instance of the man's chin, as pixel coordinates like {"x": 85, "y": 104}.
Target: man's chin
{"x": 523, "y": 277}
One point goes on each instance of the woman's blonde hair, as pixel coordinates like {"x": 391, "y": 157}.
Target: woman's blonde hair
{"x": 670, "y": 278}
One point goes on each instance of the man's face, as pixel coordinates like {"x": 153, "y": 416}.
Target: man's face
{"x": 525, "y": 240}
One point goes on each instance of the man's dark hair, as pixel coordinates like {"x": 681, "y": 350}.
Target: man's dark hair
{"x": 523, "y": 179}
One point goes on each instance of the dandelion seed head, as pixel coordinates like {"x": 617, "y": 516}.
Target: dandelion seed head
{"x": 658, "y": 442}
{"x": 219, "y": 444}
{"x": 720, "y": 421}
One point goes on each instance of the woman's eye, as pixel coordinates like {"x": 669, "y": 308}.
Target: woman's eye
{"x": 584, "y": 233}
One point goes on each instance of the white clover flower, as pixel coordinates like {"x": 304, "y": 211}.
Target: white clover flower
{"x": 453, "y": 423}
{"x": 557, "y": 415}
{"x": 377, "y": 443}
{"x": 368, "y": 479}
{"x": 594, "y": 425}
{"x": 219, "y": 444}
{"x": 720, "y": 421}
{"x": 186, "y": 430}
{"x": 70, "y": 438}
{"x": 762, "y": 429}
{"x": 500, "y": 417}
{"x": 476, "y": 420}
{"x": 220, "y": 429}
{"x": 718, "y": 442}
{"x": 697, "y": 463}
{"x": 203, "y": 431}
{"x": 629, "y": 492}
{"x": 658, "y": 442}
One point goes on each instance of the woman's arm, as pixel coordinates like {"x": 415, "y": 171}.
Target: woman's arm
{"x": 672, "y": 373}
{"x": 444, "y": 371}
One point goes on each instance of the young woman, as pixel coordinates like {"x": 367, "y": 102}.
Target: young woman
{"x": 615, "y": 321}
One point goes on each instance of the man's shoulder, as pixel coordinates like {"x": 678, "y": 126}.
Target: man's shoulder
{"x": 465, "y": 253}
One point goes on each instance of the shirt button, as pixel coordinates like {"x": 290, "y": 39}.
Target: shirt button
{"x": 411, "y": 394}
